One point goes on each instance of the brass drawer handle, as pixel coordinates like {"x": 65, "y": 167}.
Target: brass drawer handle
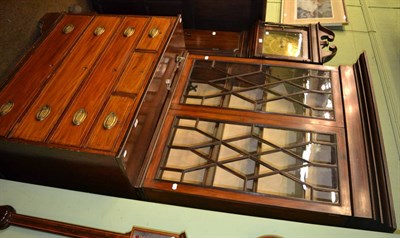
{"x": 68, "y": 28}
{"x": 154, "y": 32}
{"x": 79, "y": 117}
{"x": 6, "y": 108}
{"x": 99, "y": 30}
{"x": 110, "y": 121}
{"x": 43, "y": 113}
{"x": 129, "y": 31}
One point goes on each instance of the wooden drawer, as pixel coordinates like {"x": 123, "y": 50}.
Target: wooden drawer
{"x": 57, "y": 93}
{"x": 26, "y": 82}
{"x": 110, "y": 124}
{"x": 155, "y": 33}
{"x": 136, "y": 72}
{"x": 94, "y": 93}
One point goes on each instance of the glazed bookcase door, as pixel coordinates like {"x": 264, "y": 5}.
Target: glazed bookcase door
{"x": 264, "y": 88}
{"x": 256, "y": 133}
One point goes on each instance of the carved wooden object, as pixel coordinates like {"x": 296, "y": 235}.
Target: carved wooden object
{"x": 9, "y": 217}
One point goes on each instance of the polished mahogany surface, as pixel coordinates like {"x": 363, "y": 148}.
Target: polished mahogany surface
{"x": 94, "y": 77}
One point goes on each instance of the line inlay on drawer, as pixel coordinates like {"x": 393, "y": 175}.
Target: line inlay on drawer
{"x": 40, "y": 65}
{"x": 98, "y": 86}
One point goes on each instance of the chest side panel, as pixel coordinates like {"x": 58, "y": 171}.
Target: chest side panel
{"x": 38, "y": 68}
{"x": 96, "y": 90}
{"x": 59, "y": 90}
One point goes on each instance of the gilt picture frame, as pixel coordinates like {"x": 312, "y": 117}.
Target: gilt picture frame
{"x": 325, "y": 12}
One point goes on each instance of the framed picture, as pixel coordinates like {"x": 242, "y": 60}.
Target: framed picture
{"x": 301, "y": 12}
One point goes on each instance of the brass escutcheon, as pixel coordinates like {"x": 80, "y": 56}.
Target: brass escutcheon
{"x": 99, "y": 30}
{"x": 6, "y": 108}
{"x": 179, "y": 58}
{"x": 110, "y": 121}
{"x": 43, "y": 113}
{"x": 154, "y": 32}
{"x": 79, "y": 117}
{"x": 129, "y": 31}
{"x": 68, "y": 28}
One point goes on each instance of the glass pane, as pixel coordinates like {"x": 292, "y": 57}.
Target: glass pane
{"x": 261, "y": 88}
{"x": 324, "y": 196}
{"x": 184, "y": 159}
{"x": 252, "y": 158}
{"x": 226, "y": 179}
{"x": 280, "y": 185}
{"x": 184, "y": 138}
{"x": 241, "y": 167}
{"x": 195, "y": 177}
{"x": 171, "y": 176}
{"x": 279, "y": 160}
{"x": 228, "y": 153}
{"x": 321, "y": 177}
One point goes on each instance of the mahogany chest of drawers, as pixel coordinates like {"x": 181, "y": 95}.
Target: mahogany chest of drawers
{"x": 75, "y": 114}
{"x": 113, "y": 105}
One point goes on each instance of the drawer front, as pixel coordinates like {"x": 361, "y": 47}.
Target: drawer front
{"x": 89, "y": 100}
{"x": 136, "y": 73}
{"x": 158, "y": 29}
{"x": 58, "y": 91}
{"x": 38, "y": 68}
{"x": 110, "y": 127}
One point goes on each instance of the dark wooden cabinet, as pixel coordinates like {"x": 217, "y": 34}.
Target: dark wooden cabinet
{"x": 233, "y": 15}
{"x": 70, "y": 114}
{"x": 209, "y": 42}
{"x": 273, "y": 139}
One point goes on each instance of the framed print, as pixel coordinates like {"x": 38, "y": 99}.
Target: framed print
{"x": 326, "y": 12}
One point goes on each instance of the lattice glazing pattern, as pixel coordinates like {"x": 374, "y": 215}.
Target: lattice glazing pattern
{"x": 259, "y": 87}
{"x": 250, "y": 158}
